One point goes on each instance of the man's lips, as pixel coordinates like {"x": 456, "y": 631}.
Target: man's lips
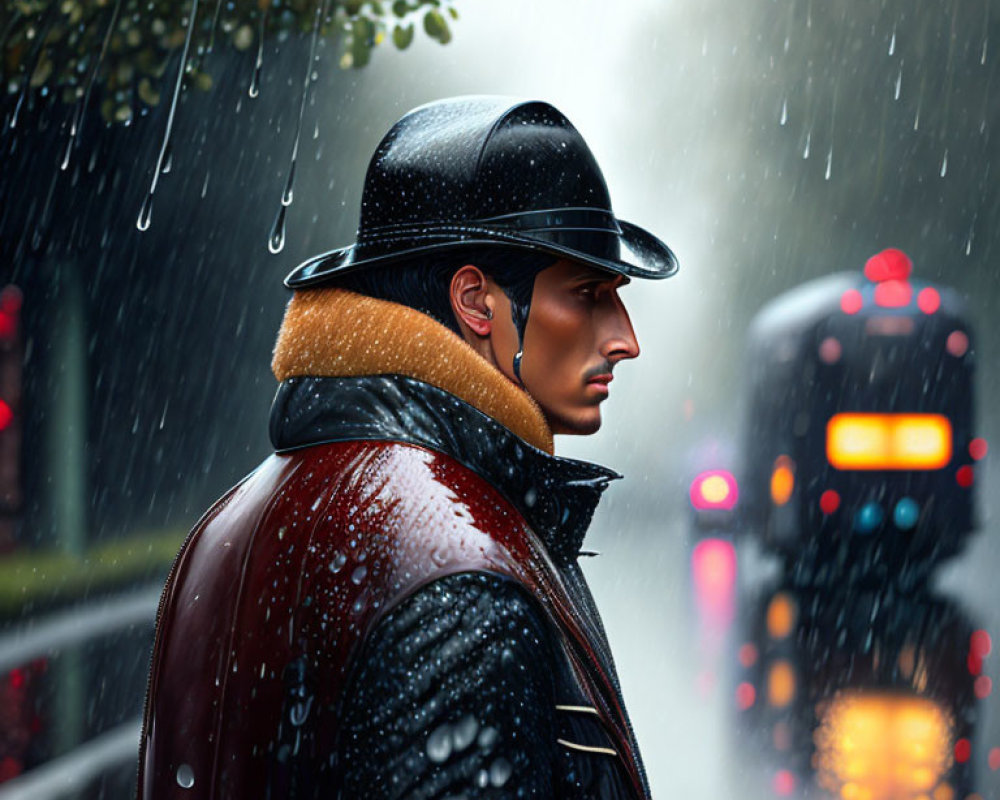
{"x": 604, "y": 378}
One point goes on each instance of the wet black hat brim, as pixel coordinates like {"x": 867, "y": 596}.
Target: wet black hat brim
{"x": 652, "y": 259}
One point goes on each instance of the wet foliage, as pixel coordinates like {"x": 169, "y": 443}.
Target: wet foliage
{"x": 123, "y": 47}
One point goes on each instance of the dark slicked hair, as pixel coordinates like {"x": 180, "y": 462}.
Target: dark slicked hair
{"x": 425, "y": 284}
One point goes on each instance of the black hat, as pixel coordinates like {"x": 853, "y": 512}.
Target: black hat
{"x": 488, "y": 171}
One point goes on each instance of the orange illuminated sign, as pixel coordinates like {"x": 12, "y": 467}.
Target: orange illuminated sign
{"x": 888, "y": 441}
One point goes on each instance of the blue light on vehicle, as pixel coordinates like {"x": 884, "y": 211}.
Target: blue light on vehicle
{"x": 906, "y": 513}
{"x": 868, "y": 517}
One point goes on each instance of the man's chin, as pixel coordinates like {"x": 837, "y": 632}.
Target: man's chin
{"x": 584, "y": 425}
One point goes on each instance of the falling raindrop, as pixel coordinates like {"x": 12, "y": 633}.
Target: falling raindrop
{"x": 805, "y": 151}
{"x": 287, "y": 195}
{"x": 892, "y": 42}
{"x": 82, "y": 105}
{"x": 276, "y": 239}
{"x": 33, "y": 60}
{"x": 944, "y": 163}
{"x": 145, "y": 213}
{"x": 982, "y": 59}
{"x": 276, "y": 242}
{"x": 784, "y": 112}
{"x": 829, "y": 164}
{"x": 254, "y": 89}
{"x": 899, "y": 82}
{"x": 215, "y": 24}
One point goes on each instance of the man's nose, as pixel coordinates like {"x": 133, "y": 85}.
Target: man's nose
{"x": 618, "y": 340}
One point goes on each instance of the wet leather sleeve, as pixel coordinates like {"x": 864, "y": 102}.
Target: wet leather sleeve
{"x": 454, "y": 697}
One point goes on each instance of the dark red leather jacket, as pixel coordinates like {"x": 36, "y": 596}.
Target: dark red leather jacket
{"x": 391, "y": 487}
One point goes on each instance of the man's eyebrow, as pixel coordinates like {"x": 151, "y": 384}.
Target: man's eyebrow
{"x": 585, "y": 273}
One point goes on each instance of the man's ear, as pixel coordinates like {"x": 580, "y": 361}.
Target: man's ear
{"x": 471, "y": 301}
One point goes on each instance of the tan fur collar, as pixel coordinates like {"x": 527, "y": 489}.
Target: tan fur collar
{"x": 336, "y": 333}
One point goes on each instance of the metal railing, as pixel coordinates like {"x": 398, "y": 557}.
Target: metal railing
{"x": 55, "y": 634}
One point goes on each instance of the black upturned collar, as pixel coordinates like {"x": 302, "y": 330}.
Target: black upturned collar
{"x": 557, "y": 496}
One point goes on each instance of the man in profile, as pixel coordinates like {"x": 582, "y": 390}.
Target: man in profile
{"x": 390, "y": 606}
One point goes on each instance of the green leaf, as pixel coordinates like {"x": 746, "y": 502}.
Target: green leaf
{"x": 401, "y": 37}
{"x": 436, "y": 26}
{"x": 400, "y": 8}
{"x": 363, "y": 30}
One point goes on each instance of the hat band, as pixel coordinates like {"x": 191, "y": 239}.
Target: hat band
{"x": 579, "y": 218}
{"x": 595, "y": 235}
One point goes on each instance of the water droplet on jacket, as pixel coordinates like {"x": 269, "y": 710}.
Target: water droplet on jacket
{"x": 500, "y": 772}
{"x": 185, "y": 776}
{"x": 464, "y": 732}
{"x": 530, "y": 498}
{"x": 299, "y": 712}
{"x": 338, "y": 562}
{"x": 439, "y": 744}
{"x": 359, "y": 574}
{"x": 487, "y": 738}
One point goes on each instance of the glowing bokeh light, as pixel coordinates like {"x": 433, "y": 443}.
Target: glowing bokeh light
{"x": 957, "y": 343}
{"x": 888, "y": 441}
{"x": 782, "y": 614}
{"x": 851, "y": 301}
{"x": 746, "y": 696}
{"x": 889, "y": 265}
{"x": 783, "y": 783}
{"x": 978, "y": 448}
{"x": 882, "y": 746}
{"x": 780, "y": 684}
{"x": 713, "y": 566}
{"x": 830, "y": 350}
{"x": 893, "y": 294}
{"x": 980, "y": 643}
{"x": 929, "y": 300}
{"x": 782, "y": 480}
{"x": 829, "y": 501}
{"x": 714, "y": 489}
